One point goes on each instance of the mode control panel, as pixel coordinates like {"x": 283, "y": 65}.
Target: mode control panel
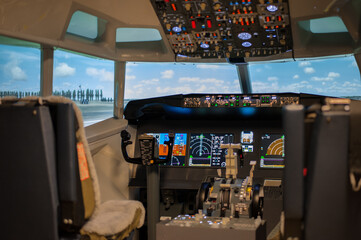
{"x": 225, "y": 28}
{"x": 235, "y": 101}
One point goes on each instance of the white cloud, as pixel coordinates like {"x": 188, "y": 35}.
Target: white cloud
{"x": 296, "y": 76}
{"x": 320, "y": 79}
{"x": 174, "y": 90}
{"x": 130, "y": 77}
{"x": 309, "y": 70}
{"x": 330, "y": 77}
{"x": 15, "y": 72}
{"x": 151, "y": 81}
{"x": 64, "y": 70}
{"x": 138, "y": 86}
{"x": 333, "y": 74}
{"x": 199, "y": 80}
{"x": 66, "y": 84}
{"x": 304, "y": 64}
{"x": 189, "y": 79}
{"x": 272, "y": 78}
{"x": 261, "y": 87}
{"x": 167, "y": 74}
{"x": 202, "y": 88}
{"x": 208, "y": 66}
{"x": 102, "y": 74}
{"x": 353, "y": 85}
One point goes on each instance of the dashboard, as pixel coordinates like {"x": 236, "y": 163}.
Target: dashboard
{"x": 203, "y": 149}
{"x": 202, "y": 122}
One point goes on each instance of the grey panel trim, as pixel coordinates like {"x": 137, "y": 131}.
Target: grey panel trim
{"x": 104, "y": 129}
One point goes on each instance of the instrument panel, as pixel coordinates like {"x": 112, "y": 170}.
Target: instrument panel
{"x": 225, "y": 28}
{"x": 237, "y": 101}
{"x": 203, "y": 149}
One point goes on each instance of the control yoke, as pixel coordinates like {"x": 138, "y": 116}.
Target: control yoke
{"x": 148, "y": 149}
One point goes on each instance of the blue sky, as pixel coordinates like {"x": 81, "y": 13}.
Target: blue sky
{"x": 20, "y": 70}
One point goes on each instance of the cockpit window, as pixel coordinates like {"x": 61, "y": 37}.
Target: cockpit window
{"x": 146, "y": 80}
{"x": 19, "y": 71}
{"x": 338, "y": 76}
{"x": 85, "y": 25}
{"x": 87, "y": 81}
{"x": 327, "y": 25}
{"x": 137, "y": 35}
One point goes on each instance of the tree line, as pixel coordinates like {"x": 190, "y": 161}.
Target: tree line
{"x": 81, "y": 95}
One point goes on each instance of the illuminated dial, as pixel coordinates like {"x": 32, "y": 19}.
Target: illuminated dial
{"x": 176, "y": 29}
{"x": 204, "y": 45}
{"x": 272, "y": 8}
{"x": 244, "y": 36}
{"x": 246, "y": 44}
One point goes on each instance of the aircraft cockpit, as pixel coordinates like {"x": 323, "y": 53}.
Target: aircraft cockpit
{"x": 180, "y": 119}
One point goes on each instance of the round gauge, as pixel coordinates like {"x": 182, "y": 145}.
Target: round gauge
{"x": 246, "y": 44}
{"x": 272, "y": 8}
{"x": 176, "y": 29}
{"x": 244, "y": 36}
{"x": 204, "y": 45}
{"x": 223, "y": 164}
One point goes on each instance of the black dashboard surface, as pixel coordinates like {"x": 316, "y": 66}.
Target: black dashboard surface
{"x": 209, "y": 116}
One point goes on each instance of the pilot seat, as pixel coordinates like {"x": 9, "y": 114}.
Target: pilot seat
{"x": 48, "y": 181}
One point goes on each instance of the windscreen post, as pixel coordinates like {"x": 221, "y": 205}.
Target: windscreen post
{"x": 358, "y": 61}
{"x": 119, "y": 83}
{"x": 244, "y": 79}
{"x": 47, "y": 65}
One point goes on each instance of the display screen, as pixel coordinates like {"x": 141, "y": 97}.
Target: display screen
{"x": 272, "y": 151}
{"x": 179, "y": 148}
{"x": 247, "y": 140}
{"x": 205, "y": 151}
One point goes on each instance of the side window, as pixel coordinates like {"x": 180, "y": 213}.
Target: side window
{"x": 87, "y": 81}
{"x": 19, "y": 71}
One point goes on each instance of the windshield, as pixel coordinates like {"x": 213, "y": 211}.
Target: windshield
{"x": 337, "y": 77}
{"x": 146, "y": 80}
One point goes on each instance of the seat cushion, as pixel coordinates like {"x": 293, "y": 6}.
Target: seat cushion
{"x": 115, "y": 217}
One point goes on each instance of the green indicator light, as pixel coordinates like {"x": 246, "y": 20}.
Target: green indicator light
{"x": 244, "y": 104}
{"x": 237, "y": 97}
{"x": 262, "y": 157}
{"x": 216, "y": 105}
{"x": 183, "y": 164}
{"x": 209, "y": 156}
{"x": 226, "y": 104}
{"x": 237, "y": 104}
{"x": 231, "y": 104}
{"x": 237, "y": 100}
{"x": 226, "y": 96}
{"x": 190, "y": 156}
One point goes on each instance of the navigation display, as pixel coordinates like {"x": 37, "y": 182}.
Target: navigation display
{"x": 205, "y": 151}
{"x": 179, "y": 148}
{"x": 272, "y": 151}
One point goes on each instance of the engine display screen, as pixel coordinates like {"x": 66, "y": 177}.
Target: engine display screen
{"x": 272, "y": 151}
{"x": 205, "y": 151}
{"x": 179, "y": 148}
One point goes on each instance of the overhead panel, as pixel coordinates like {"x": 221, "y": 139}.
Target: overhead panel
{"x": 224, "y": 28}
